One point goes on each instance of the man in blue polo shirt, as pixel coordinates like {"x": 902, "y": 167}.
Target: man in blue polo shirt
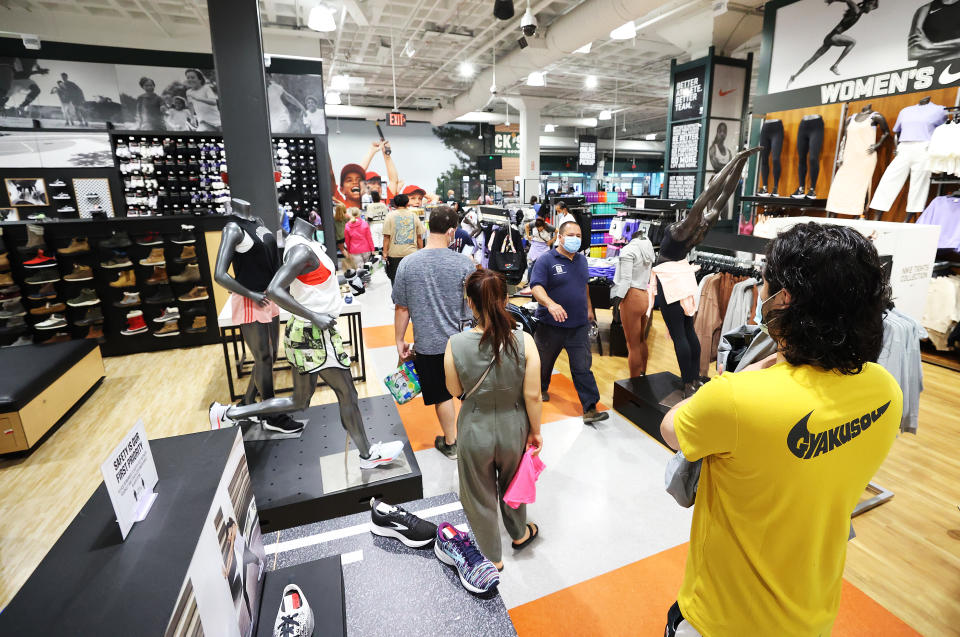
{"x": 559, "y": 284}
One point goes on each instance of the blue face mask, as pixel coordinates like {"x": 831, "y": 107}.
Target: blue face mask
{"x": 758, "y": 315}
{"x": 571, "y": 244}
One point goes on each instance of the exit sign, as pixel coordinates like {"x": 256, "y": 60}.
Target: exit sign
{"x": 396, "y": 119}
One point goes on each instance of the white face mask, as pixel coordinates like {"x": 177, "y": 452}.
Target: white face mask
{"x": 758, "y": 316}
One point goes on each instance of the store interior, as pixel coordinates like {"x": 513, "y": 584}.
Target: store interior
{"x": 207, "y": 422}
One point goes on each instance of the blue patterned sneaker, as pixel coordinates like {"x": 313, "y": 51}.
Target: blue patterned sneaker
{"x": 456, "y": 549}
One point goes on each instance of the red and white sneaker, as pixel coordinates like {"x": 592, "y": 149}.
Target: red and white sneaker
{"x": 382, "y": 453}
{"x": 218, "y": 416}
{"x": 39, "y": 261}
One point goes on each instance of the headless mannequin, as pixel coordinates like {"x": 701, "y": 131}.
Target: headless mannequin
{"x": 301, "y": 260}
{"x": 878, "y": 120}
{"x": 684, "y": 235}
{"x": 261, "y": 338}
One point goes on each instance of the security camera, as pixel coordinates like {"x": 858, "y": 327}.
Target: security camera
{"x": 528, "y": 23}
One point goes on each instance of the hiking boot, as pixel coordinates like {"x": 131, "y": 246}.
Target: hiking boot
{"x": 162, "y": 296}
{"x": 80, "y": 273}
{"x": 48, "y": 308}
{"x": 185, "y": 236}
{"x": 159, "y": 276}
{"x": 78, "y": 245}
{"x": 4, "y": 262}
{"x": 125, "y": 279}
{"x": 39, "y": 261}
{"x": 187, "y": 255}
{"x": 10, "y": 292}
{"x": 55, "y": 322}
{"x": 130, "y": 299}
{"x": 135, "y": 324}
{"x": 593, "y": 416}
{"x": 34, "y": 239}
{"x": 199, "y": 325}
{"x": 155, "y": 258}
{"x": 118, "y": 260}
{"x": 6, "y": 279}
{"x": 48, "y": 275}
{"x": 96, "y": 332}
{"x": 117, "y": 240}
{"x": 93, "y": 315}
{"x": 191, "y": 274}
{"x": 9, "y": 309}
{"x": 169, "y": 314}
{"x": 150, "y": 239}
{"x": 86, "y": 297}
{"x": 171, "y": 328}
{"x": 45, "y": 292}
{"x": 198, "y": 293}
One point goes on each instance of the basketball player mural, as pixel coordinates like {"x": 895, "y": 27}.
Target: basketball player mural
{"x": 837, "y": 37}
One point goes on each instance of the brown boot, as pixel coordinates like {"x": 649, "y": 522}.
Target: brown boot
{"x": 80, "y": 273}
{"x": 125, "y": 280}
{"x": 191, "y": 274}
{"x": 96, "y": 332}
{"x": 170, "y": 328}
{"x": 6, "y": 279}
{"x": 199, "y": 325}
{"x": 188, "y": 255}
{"x": 4, "y": 262}
{"x": 198, "y": 293}
{"x": 78, "y": 245}
{"x": 155, "y": 258}
{"x": 159, "y": 276}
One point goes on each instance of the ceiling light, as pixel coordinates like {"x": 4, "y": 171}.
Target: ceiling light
{"x": 333, "y": 98}
{"x": 408, "y": 50}
{"x": 503, "y": 9}
{"x": 549, "y": 128}
{"x": 605, "y": 115}
{"x": 537, "y": 78}
{"x": 590, "y": 81}
{"x": 585, "y": 48}
{"x": 651, "y": 136}
{"x": 466, "y": 69}
{"x": 321, "y": 19}
{"x": 626, "y": 32}
{"x": 340, "y": 83}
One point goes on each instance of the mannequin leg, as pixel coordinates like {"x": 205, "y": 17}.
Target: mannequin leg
{"x": 776, "y": 149}
{"x": 816, "y": 145}
{"x": 304, "y": 386}
{"x": 275, "y": 336}
{"x": 685, "y": 341}
{"x": 258, "y": 339}
{"x": 341, "y": 382}
{"x": 634, "y": 315}
{"x": 765, "y": 165}
{"x": 803, "y": 148}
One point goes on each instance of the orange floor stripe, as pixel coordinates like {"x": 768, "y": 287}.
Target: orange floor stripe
{"x": 382, "y": 336}
{"x": 564, "y": 402}
{"x": 634, "y": 600}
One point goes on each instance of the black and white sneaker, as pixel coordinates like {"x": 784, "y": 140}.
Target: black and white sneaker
{"x": 387, "y": 520}
{"x": 799, "y": 194}
{"x": 281, "y": 423}
{"x": 295, "y": 619}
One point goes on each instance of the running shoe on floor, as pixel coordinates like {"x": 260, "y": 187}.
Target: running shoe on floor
{"x": 295, "y": 619}
{"x": 455, "y": 548}
{"x": 281, "y": 423}
{"x": 218, "y": 416}
{"x": 382, "y": 453}
{"x": 387, "y": 520}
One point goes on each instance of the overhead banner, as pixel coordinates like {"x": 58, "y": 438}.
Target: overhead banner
{"x": 837, "y": 53}
{"x": 507, "y": 144}
{"x": 587, "y": 156}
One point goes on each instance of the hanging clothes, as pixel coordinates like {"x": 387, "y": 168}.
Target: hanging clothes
{"x": 848, "y": 192}
{"x": 915, "y": 126}
{"x": 942, "y": 311}
{"x": 943, "y": 154}
{"x": 739, "y": 304}
{"x": 708, "y": 320}
{"x": 944, "y": 212}
{"x": 901, "y": 357}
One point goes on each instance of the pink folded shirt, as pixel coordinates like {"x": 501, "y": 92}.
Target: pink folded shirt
{"x": 523, "y": 487}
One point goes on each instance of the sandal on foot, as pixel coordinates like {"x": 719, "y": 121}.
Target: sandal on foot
{"x": 534, "y": 532}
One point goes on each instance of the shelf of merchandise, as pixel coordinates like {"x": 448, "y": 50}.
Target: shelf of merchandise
{"x": 602, "y": 209}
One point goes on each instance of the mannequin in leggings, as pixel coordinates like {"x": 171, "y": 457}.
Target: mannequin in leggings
{"x": 306, "y": 285}
{"x": 678, "y": 240}
{"x": 630, "y": 286}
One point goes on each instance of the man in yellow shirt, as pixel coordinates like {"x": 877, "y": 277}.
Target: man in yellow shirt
{"x": 788, "y": 445}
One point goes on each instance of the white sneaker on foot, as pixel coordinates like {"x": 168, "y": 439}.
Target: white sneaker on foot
{"x": 218, "y": 416}
{"x": 382, "y": 453}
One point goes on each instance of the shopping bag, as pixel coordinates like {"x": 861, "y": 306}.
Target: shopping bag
{"x": 523, "y": 487}
{"x": 403, "y": 384}
{"x": 681, "y": 479}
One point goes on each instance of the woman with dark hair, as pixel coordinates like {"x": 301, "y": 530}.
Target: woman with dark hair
{"x": 720, "y": 155}
{"x": 788, "y": 444}
{"x": 202, "y": 100}
{"x": 495, "y": 367}
{"x": 935, "y": 32}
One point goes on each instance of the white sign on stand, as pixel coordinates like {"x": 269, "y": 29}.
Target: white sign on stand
{"x": 130, "y": 475}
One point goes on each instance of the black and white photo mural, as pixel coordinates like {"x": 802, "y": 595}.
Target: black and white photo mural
{"x": 58, "y": 93}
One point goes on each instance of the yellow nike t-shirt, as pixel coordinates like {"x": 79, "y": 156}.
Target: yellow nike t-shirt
{"x": 787, "y": 452}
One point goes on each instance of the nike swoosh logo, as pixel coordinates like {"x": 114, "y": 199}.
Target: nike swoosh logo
{"x": 947, "y": 77}
{"x": 806, "y": 445}
{"x": 725, "y": 93}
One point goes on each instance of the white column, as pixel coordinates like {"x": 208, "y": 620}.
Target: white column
{"x": 529, "y": 145}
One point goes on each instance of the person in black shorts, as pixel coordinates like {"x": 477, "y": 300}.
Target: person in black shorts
{"x": 836, "y": 37}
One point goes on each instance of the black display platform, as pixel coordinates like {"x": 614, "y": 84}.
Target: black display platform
{"x": 287, "y": 478}
{"x": 322, "y": 584}
{"x": 638, "y": 399}
{"x": 93, "y": 583}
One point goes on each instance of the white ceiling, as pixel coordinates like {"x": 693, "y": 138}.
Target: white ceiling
{"x": 633, "y": 75}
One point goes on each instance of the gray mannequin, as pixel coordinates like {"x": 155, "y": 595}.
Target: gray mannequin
{"x": 251, "y": 249}
{"x": 308, "y": 278}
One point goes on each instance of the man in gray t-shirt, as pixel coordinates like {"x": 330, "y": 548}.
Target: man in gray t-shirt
{"x": 428, "y": 289}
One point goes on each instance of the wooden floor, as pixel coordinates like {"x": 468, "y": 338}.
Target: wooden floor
{"x": 906, "y": 555}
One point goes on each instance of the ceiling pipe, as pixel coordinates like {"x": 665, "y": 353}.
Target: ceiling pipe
{"x": 593, "y": 20}
{"x": 476, "y": 117}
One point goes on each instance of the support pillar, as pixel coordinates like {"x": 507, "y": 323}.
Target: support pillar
{"x": 529, "y": 145}
{"x": 241, "y": 83}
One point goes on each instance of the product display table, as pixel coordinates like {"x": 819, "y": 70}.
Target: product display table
{"x": 232, "y": 339}
{"x": 640, "y": 400}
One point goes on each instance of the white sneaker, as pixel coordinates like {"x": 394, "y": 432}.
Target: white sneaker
{"x": 169, "y": 314}
{"x": 218, "y": 416}
{"x": 382, "y": 453}
{"x": 294, "y": 619}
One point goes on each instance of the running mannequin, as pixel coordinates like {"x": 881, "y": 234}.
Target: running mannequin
{"x": 251, "y": 249}
{"x": 674, "y": 273}
{"x": 306, "y": 286}
{"x": 836, "y": 38}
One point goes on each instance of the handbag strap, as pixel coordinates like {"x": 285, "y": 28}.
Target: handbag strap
{"x": 482, "y": 378}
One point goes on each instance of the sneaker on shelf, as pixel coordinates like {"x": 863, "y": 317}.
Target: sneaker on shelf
{"x": 198, "y": 293}
{"x": 455, "y": 548}
{"x": 171, "y": 328}
{"x": 80, "y": 273}
{"x": 382, "y": 453}
{"x": 763, "y": 192}
{"x": 199, "y": 325}
{"x": 150, "y": 239}
{"x": 130, "y": 299}
{"x": 440, "y": 444}
{"x": 86, "y": 297}
{"x": 11, "y": 308}
{"x": 66, "y": 209}
{"x": 40, "y": 261}
{"x": 45, "y": 292}
{"x": 58, "y": 183}
{"x": 49, "y": 275}
{"x": 62, "y": 195}
{"x": 294, "y": 619}
{"x": 23, "y": 340}
{"x": 162, "y": 296}
{"x": 135, "y": 324}
{"x": 186, "y": 235}
{"x": 155, "y": 258}
{"x": 187, "y": 255}
{"x": 118, "y": 260}
{"x": 387, "y": 520}
{"x": 78, "y": 245}
{"x": 56, "y": 321}
{"x": 48, "y": 308}
{"x": 168, "y": 314}
{"x": 4, "y": 262}
{"x": 159, "y": 276}
{"x": 93, "y": 315}
{"x": 117, "y": 240}
{"x": 10, "y": 292}
{"x": 812, "y": 193}
{"x": 282, "y": 423}
{"x": 6, "y": 279}
{"x": 798, "y": 194}
{"x": 190, "y": 274}
{"x": 218, "y": 416}
{"x": 96, "y": 333}
{"x": 125, "y": 279}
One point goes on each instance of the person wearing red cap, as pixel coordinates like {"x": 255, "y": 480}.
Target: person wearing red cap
{"x": 415, "y": 194}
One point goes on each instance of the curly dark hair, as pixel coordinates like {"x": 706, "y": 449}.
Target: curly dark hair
{"x": 838, "y": 294}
